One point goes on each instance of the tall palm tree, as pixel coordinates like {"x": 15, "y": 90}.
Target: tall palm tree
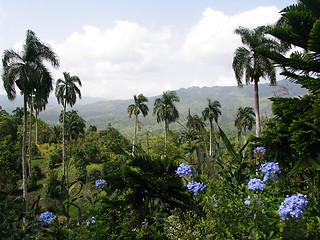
{"x": 38, "y": 107}
{"x": 27, "y": 71}
{"x": 245, "y": 119}
{"x": 166, "y": 111}
{"x": 74, "y": 124}
{"x": 298, "y": 26}
{"x": 253, "y": 66}
{"x": 195, "y": 123}
{"x": 136, "y": 108}
{"x": 211, "y": 112}
{"x": 66, "y": 93}
{"x": 17, "y": 114}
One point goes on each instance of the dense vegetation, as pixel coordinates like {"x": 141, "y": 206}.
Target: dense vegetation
{"x": 75, "y": 182}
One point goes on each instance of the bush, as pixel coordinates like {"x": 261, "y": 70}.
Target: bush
{"x": 94, "y": 174}
{"x": 54, "y": 158}
{"x": 34, "y": 177}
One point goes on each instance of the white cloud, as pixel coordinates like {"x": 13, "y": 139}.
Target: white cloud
{"x": 128, "y": 58}
{"x": 113, "y": 62}
{"x": 212, "y": 41}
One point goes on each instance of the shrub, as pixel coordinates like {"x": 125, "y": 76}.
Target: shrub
{"x": 94, "y": 174}
{"x": 55, "y": 158}
{"x": 34, "y": 177}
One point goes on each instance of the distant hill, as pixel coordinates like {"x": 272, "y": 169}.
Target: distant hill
{"x": 100, "y": 112}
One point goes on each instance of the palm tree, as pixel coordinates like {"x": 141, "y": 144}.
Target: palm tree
{"x": 251, "y": 65}
{"x": 195, "y": 123}
{"x": 27, "y": 71}
{"x": 245, "y": 119}
{"x": 66, "y": 93}
{"x": 38, "y": 107}
{"x": 298, "y": 26}
{"x": 74, "y": 124}
{"x": 37, "y": 104}
{"x": 211, "y": 112}
{"x": 166, "y": 110}
{"x": 17, "y": 114}
{"x": 136, "y": 108}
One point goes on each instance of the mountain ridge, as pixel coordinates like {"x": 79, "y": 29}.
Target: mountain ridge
{"x": 100, "y": 112}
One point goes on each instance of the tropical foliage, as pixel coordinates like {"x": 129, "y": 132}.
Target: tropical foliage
{"x": 166, "y": 111}
{"x": 136, "y": 108}
{"x": 253, "y": 66}
{"x": 245, "y": 119}
{"x": 27, "y": 71}
{"x": 211, "y": 112}
{"x": 265, "y": 188}
{"x": 66, "y": 93}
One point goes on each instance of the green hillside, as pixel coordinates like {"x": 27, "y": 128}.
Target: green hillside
{"x": 195, "y": 98}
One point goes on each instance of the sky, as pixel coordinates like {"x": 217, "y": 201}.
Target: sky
{"x": 122, "y": 48}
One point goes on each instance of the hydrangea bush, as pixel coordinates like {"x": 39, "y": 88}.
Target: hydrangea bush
{"x": 271, "y": 171}
{"x": 101, "y": 183}
{"x": 91, "y": 220}
{"x": 259, "y": 150}
{"x": 47, "y": 217}
{"x": 256, "y": 185}
{"x": 184, "y": 170}
{"x": 293, "y": 207}
{"x": 195, "y": 187}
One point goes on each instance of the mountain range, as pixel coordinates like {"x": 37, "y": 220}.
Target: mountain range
{"x": 100, "y": 112}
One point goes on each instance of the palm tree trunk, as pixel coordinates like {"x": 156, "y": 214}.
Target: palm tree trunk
{"x": 24, "y": 160}
{"x": 210, "y": 137}
{"x": 63, "y": 140}
{"x": 30, "y": 138}
{"x": 257, "y": 108}
{"x": 37, "y": 126}
{"x": 166, "y": 130}
{"x": 134, "y": 136}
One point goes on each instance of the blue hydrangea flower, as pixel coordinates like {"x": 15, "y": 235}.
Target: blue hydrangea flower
{"x": 248, "y": 201}
{"x": 259, "y": 150}
{"x": 184, "y": 170}
{"x": 216, "y": 202}
{"x": 92, "y": 220}
{"x": 101, "y": 183}
{"x": 47, "y": 217}
{"x": 195, "y": 187}
{"x": 260, "y": 203}
{"x": 293, "y": 207}
{"x": 256, "y": 185}
{"x": 271, "y": 171}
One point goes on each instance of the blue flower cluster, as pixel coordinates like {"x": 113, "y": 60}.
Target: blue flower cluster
{"x": 92, "y": 220}
{"x": 248, "y": 201}
{"x": 195, "y": 187}
{"x": 293, "y": 206}
{"x": 184, "y": 170}
{"x": 101, "y": 183}
{"x": 47, "y": 217}
{"x": 143, "y": 224}
{"x": 256, "y": 184}
{"x": 216, "y": 202}
{"x": 259, "y": 150}
{"x": 271, "y": 171}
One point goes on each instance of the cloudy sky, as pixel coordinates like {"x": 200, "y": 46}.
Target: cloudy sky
{"x": 124, "y": 47}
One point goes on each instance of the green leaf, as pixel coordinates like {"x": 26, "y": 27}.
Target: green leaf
{"x": 229, "y": 145}
{"x": 305, "y": 164}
